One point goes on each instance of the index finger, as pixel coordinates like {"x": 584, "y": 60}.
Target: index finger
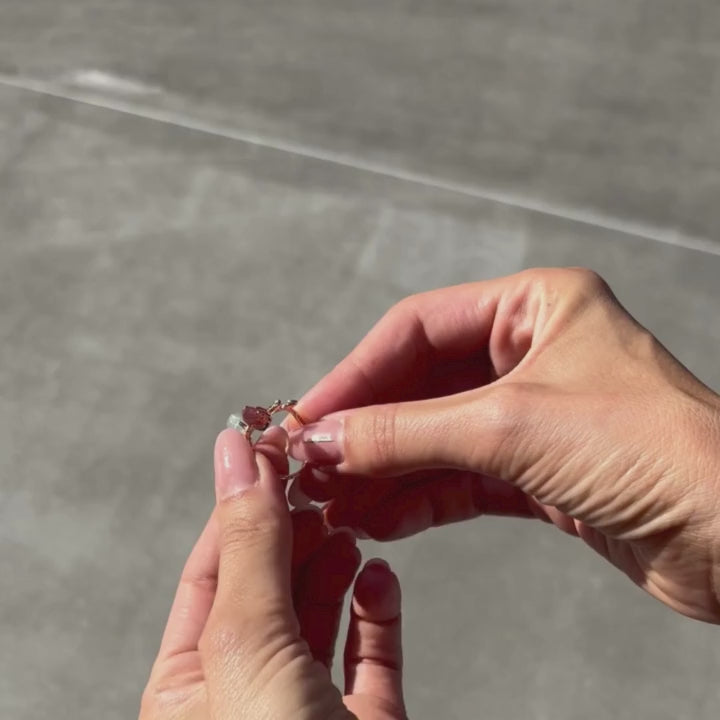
{"x": 420, "y": 331}
{"x": 194, "y": 597}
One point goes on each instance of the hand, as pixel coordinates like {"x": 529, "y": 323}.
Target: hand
{"x": 535, "y": 395}
{"x": 252, "y": 630}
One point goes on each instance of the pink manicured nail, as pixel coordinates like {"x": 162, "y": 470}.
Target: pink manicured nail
{"x": 319, "y": 443}
{"x": 274, "y": 435}
{"x": 377, "y": 562}
{"x": 235, "y": 466}
{"x": 348, "y": 532}
{"x": 321, "y": 475}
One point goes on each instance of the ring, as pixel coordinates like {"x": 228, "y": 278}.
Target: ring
{"x": 255, "y": 418}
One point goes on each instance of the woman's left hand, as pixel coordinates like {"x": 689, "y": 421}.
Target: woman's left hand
{"x": 252, "y": 630}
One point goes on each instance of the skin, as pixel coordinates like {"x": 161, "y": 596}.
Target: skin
{"x": 538, "y": 396}
{"x": 252, "y": 629}
{"x": 533, "y": 396}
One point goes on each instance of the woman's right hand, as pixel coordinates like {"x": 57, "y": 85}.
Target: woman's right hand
{"x": 535, "y": 395}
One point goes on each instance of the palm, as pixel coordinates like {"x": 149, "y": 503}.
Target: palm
{"x": 179, "y": 670}
{"x": 323, "y": 568}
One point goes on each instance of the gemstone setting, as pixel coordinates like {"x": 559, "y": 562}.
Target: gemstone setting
{"x": 257, "y": 418}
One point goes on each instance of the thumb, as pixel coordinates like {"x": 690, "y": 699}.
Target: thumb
{"x": 255, "y": 550}
{"x": 477, "y": 430}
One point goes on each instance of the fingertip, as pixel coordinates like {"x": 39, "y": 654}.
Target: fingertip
{"x": 296, "y": 497}
{"x": 290, "y": 422}
{"x": 377, "y": 595}
{"x": 308, "y": 523}
{"x": 348, "y": 532}
{"x": 346, "y": 552}
{"x": 318, "y": 484}
{"x": 255, "y": 538}
{"x": 331, "y": 569}
{"x": 338, "y": 513}
{"x": 235, "y": 466}
{"x": 344, "y": 544}
{"x": 373, "y": 649}
{"x": 268, "y": 478}
{"x": 272, "y": 444}
{"x": 308, "y": 534}
{"x": 311, "y": 513}
{"x": 275, "y": 435}
{"x": 320, "y": 442}
{"x": 321, "y": 589}
{"x": 378, "y": 561}
{"x": 231, "y": 440}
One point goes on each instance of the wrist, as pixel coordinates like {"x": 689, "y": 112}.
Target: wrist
{"x": 713, "y": 432}
{"x": 710, "y": 484}
{"x": 715, "y": 490}
{"x": 714, "y": 470}
{"x": 704, "y": 441}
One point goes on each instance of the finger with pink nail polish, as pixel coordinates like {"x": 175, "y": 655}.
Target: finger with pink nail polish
{"x": 320, "y": 443}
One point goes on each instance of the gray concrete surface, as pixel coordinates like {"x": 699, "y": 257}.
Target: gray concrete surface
{"x": 162, "y": 164}
{"x": 608, "y": 112}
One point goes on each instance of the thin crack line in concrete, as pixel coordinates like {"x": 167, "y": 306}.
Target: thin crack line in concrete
{"x": 169, "y": 117}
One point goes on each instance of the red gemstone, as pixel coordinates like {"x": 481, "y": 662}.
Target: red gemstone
{"x": 256, "y": 417}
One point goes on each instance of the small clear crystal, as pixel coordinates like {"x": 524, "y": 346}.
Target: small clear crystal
{"x": 235, "y": 422}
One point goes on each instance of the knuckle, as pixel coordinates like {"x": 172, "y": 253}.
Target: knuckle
{"x": 402, "y": 311}
{"x": 581, "y": 279}
{"x": 256, "y": 630}
{"x": 569, "y": 292}
{"x": 220, "y": 638}
{"x": 233, "y": 634}
{"x": 382, "y": 439}
{"x": 508, "y": 402}
{"x": 506, "y": 412}
{"x": 250, "y": 526}
{"x": 407, "y": 304}
{"x": 587, "y": 281}
{"x": 537, "y": 275}
{"x": 163, "y": 698}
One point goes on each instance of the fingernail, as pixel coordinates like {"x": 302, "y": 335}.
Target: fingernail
{"x": 346, "y": 531}
{"x": 378, "y": 562}
{"x": 321, "y": 475}
{"x": 274, "y": 435}
{"x": 296, "y": 497}
{"x": 319, "y": 443}
{"x": 310, "y": 509}
{"x": 235, "y": 466}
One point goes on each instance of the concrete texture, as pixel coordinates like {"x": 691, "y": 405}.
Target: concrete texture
{"x": 604, "y": 112}
{"x": 133, "y": 252}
